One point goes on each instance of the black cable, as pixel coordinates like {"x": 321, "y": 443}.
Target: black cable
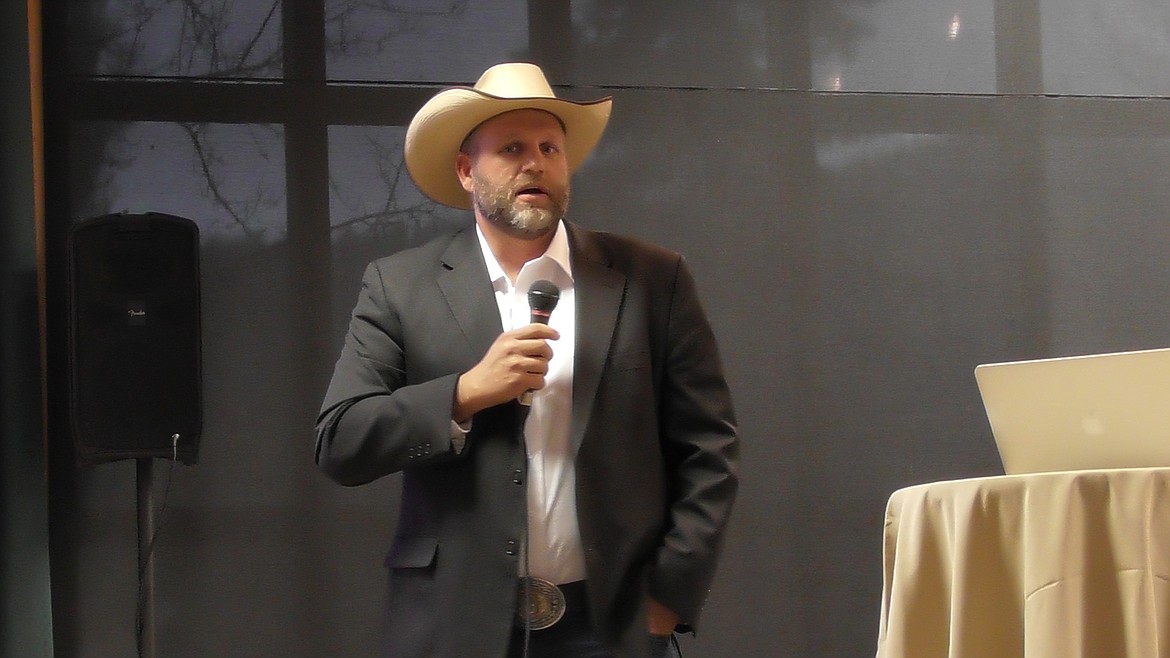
{"x": 524, "y": 539}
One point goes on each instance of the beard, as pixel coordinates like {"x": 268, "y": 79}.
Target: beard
{"x": 498, "y": 204}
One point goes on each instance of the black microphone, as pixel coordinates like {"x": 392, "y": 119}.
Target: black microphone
{"x": 542, "y": 299}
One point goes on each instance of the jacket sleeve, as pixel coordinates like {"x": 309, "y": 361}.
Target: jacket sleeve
{"x": 373, "y": 421}
{"x": 701, "y": 449}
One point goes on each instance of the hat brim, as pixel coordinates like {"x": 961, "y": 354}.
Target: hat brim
{"x": 440, "y": 126}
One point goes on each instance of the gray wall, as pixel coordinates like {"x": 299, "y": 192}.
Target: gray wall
{"x": 875, "y": 196}
{"x": 25, "y": 624}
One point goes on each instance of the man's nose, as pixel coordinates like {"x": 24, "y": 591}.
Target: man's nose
{"x": 534, "y": 162}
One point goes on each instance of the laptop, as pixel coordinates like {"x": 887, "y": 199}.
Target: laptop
{"x": 1081, "y": 412}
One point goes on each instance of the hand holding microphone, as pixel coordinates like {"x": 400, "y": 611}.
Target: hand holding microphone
{"x": 542, "y": 299}
{"x": 510, "y": 359}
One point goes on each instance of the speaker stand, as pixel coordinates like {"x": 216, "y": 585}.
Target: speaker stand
{"x": 145, "y": 480}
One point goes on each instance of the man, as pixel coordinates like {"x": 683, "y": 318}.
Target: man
{"x": 565, "y": 485}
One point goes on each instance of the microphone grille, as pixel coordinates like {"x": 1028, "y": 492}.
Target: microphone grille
{"x": 543, "y": 296}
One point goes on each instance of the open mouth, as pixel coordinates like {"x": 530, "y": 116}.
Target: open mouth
{"x": 534, "y": 195}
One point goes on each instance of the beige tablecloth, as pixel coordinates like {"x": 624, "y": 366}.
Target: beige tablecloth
{"x": 1052, "y": 565}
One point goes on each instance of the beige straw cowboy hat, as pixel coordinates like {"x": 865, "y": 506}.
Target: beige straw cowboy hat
{"x": 441, "y": 125}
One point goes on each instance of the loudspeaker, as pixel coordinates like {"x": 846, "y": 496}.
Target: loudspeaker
{"x": 135, "y": 340}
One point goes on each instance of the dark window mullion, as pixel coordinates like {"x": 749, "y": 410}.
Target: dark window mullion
{"x": 307, "y": 186}
{"x": 307, "y": 192}
{"x": 309, "y": 268}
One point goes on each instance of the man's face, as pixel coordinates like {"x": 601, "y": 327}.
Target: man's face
{"x": 515, "y": 169}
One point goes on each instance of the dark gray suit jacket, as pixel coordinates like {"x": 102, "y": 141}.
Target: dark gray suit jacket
{"x": 656, "y": 467}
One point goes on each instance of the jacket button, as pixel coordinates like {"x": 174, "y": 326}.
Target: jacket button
{"x": 516, "y": 479}
{"x": 511, "y": 548}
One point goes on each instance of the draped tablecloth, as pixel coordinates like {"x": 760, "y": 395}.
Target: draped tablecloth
{"x": 1051, "y": 565}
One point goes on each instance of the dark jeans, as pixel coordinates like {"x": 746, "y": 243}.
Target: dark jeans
{"x": 545, "y": 644}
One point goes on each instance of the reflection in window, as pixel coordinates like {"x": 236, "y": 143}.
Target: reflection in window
{"x": 423, "y": 39}
{"x": 371, "y": 195}
{"x": 903, "y": 46}
{"x": 168, "y": 38}
{"x": 677, "y": 43}
{"x": 841, "y": 153}
{"x": 1115, "y": 48}
{"x": 227, "y": 178}
{"x": 375, "y": 209}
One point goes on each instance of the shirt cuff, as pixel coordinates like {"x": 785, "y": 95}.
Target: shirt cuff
{"x": 459, "y": 435}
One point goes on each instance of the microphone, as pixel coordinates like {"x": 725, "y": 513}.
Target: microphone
{"x": 542, "y": 299}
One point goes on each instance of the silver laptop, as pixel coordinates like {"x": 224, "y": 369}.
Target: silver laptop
{"x": 1081, "y": 412}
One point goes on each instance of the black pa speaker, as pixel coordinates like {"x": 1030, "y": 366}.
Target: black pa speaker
{"x": 135, "y": 351}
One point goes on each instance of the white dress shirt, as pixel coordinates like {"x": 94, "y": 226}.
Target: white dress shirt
{"x": 554, "y": 550}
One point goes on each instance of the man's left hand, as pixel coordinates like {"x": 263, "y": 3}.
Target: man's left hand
{"x": 662, "y": 619}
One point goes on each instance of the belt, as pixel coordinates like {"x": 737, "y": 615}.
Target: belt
{"x": 540, "y": 603}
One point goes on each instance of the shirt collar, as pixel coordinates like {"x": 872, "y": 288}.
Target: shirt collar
{"x": 557, "y": 252}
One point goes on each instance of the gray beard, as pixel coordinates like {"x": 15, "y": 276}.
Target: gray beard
{"x": 496, "y": 205}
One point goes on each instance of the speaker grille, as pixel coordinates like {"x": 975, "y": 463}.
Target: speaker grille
{"x": 135, "y": 357}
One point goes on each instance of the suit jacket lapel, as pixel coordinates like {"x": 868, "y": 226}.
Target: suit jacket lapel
{"x": 468, "y": 292}
{"x": 599, "y": 290}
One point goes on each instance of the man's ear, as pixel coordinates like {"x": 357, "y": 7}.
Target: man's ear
{"x": 463, "y": 170}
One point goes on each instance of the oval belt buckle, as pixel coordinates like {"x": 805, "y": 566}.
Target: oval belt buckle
{"x": 546, "y": 604}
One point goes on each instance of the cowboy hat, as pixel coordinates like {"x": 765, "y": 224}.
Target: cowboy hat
{"x": 440, "y": 126}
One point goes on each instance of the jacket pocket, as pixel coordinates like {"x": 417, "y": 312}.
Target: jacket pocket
{"x": 412, "y": 552}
